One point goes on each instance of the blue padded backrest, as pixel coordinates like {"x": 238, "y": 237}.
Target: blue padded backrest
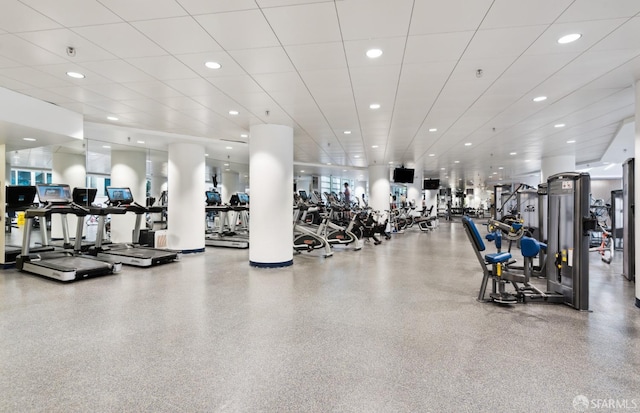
{"x": 529, "y": 247}
{"x": 473, "y": 230}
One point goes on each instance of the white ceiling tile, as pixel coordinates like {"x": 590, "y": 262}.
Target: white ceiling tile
{"x": 78, "y": 94}
{"x": 84, "y": 13}
{"x": 230, "y": 30}
{"x": 20, "y": 50}
{"x": 365, "y": 19}
{"x": 208, "y": 6}
{"x": 144, "y": 9}
{"x": 304, "y": 24}
{"x": 194, "y": 87}
{"x": 584, "y": 10}
{"x": 317, "y": 56}
{"x": 179, "y": 35}
{"x": 436, "y": 16}
{"x": 182, "y": 103}
{"x": 263, "y": 60}
{"x": 502, "y": 42}
{"x": 513, "y": 13}
{"x": 6, "y": 62}
{"x": 16, "y": 17}
{"x": 33, "y": 77}
{"x": 60, "y": 71}
{"x": 164, "y": 67}
{"x": 120, "y": 39}
{"x": 232, "y": 85}
{"x": 436, "y": 47}
{"x": 279, "y": 3}
{"x": 624, "y": 37}
{"x": 118, "y": 71}
{"x": 281, "y": 82}
{"x": 58, "y": 40}
{"x": 114, "y": 91}
{"x": 153, "y": 89}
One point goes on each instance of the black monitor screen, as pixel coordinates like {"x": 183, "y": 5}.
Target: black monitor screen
{"x": 20, "y": 196}
{"x": 431, "y": 184}
{"x": 54, "y": 193}
{"x": 243, "y": 198}
{"x": 119, "y": 195}
{"x": 84, "y": 196}
{"x": 213, "y": 198}
{"x": 469, "y": 191}
{"x": 303, "y": 194}
{"x": 403, "y": 175}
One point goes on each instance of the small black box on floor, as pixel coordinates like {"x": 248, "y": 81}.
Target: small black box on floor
{"x": 147, "y": 238}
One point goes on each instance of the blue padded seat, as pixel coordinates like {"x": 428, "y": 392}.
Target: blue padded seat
{"x": 543, "y": 246}
{"x": 497, "y": 257}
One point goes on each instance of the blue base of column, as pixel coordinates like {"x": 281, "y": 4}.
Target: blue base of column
{"x": 638, "y": 302}
{"x": 271, "y": 264}
{"x": 195, "y": 251}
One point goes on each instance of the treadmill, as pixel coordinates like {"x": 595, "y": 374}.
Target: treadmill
{"x": 121, "y": 201}
{"x": 222, "y": 235}
{"x": 61, "y": 265}
{"x": 19, "y": 199}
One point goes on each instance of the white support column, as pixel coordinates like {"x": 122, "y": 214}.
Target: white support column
{"x": 414, "y": 190}
{"x": 128, "y": 170}
{"x": 379, "y": 187}
{"x": 360, "y": 190}
{"x": 230, "y": 185}
{"x": 637, "y": 191}
{"x": 186, "y": 198}
{"x": 67, "y": 169}
{"x": 271, "y": 206}
{"x": 552, "y": 165}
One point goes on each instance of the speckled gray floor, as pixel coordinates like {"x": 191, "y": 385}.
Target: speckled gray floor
{"x": 393, "y": 328}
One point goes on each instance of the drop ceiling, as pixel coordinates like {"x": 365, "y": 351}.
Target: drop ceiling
{"x": 451, "y": 73}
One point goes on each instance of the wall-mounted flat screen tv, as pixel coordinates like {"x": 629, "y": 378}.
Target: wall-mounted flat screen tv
{"x": 403, "y": 175}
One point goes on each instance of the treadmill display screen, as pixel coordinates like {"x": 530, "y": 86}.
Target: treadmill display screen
{"x": 119, "y": 196}
{"x": 84, "y": 196}
{"x": 54, "y": 194}
{"x": 20, "y": 196}
{"x": 303, "y": 194}
{"x": 243, "y": 198}
{"x": 213, "y": 198}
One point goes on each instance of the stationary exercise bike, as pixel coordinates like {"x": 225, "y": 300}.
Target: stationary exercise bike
{"x": 306, "y": 239}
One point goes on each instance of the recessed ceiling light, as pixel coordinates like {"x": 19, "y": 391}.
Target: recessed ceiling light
{"x": 433, "y": 130}
{"x": 244, "y": 135}
{"x": 140, "y": 141}
{"x": 502, "y": 167}
{"x": 569, "y": 38}
{"x": 344, "y": 170}
{"x": 106, "y": 146}
{"x": 559, "y": 125}
{"x": 227, "y": 169}
{"x": 112, "y": 118}
{"x": 356, "y": 156}
{"x": 328, "y": 163}
{"x": 513, "y": 153}
{"x": 229, "y": 147}
{"x": 347, "y": 132}
{"x": 213, "y": 65}
{"x": 75, "y": 75}
{"x": 391, "y": 163}
{"x": 374, "y": 106}
{"x": 373, "y": 53}
{"x": 571, "y": 141}
{"x": 456, "y": 161}
{"x": 225, "y": 164}
{"x": 495, "y": 173}
{"x": 442, "y": 169}
{"x": 233, "y": 112}
{"x": 374, "y": 146}
{"x": 301, "y": 170}
{"x": 539, "y": 98}
{"x": 468, "y": 144}
{"x": 432, "y": 154}
{"x": 29, "y": 139}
